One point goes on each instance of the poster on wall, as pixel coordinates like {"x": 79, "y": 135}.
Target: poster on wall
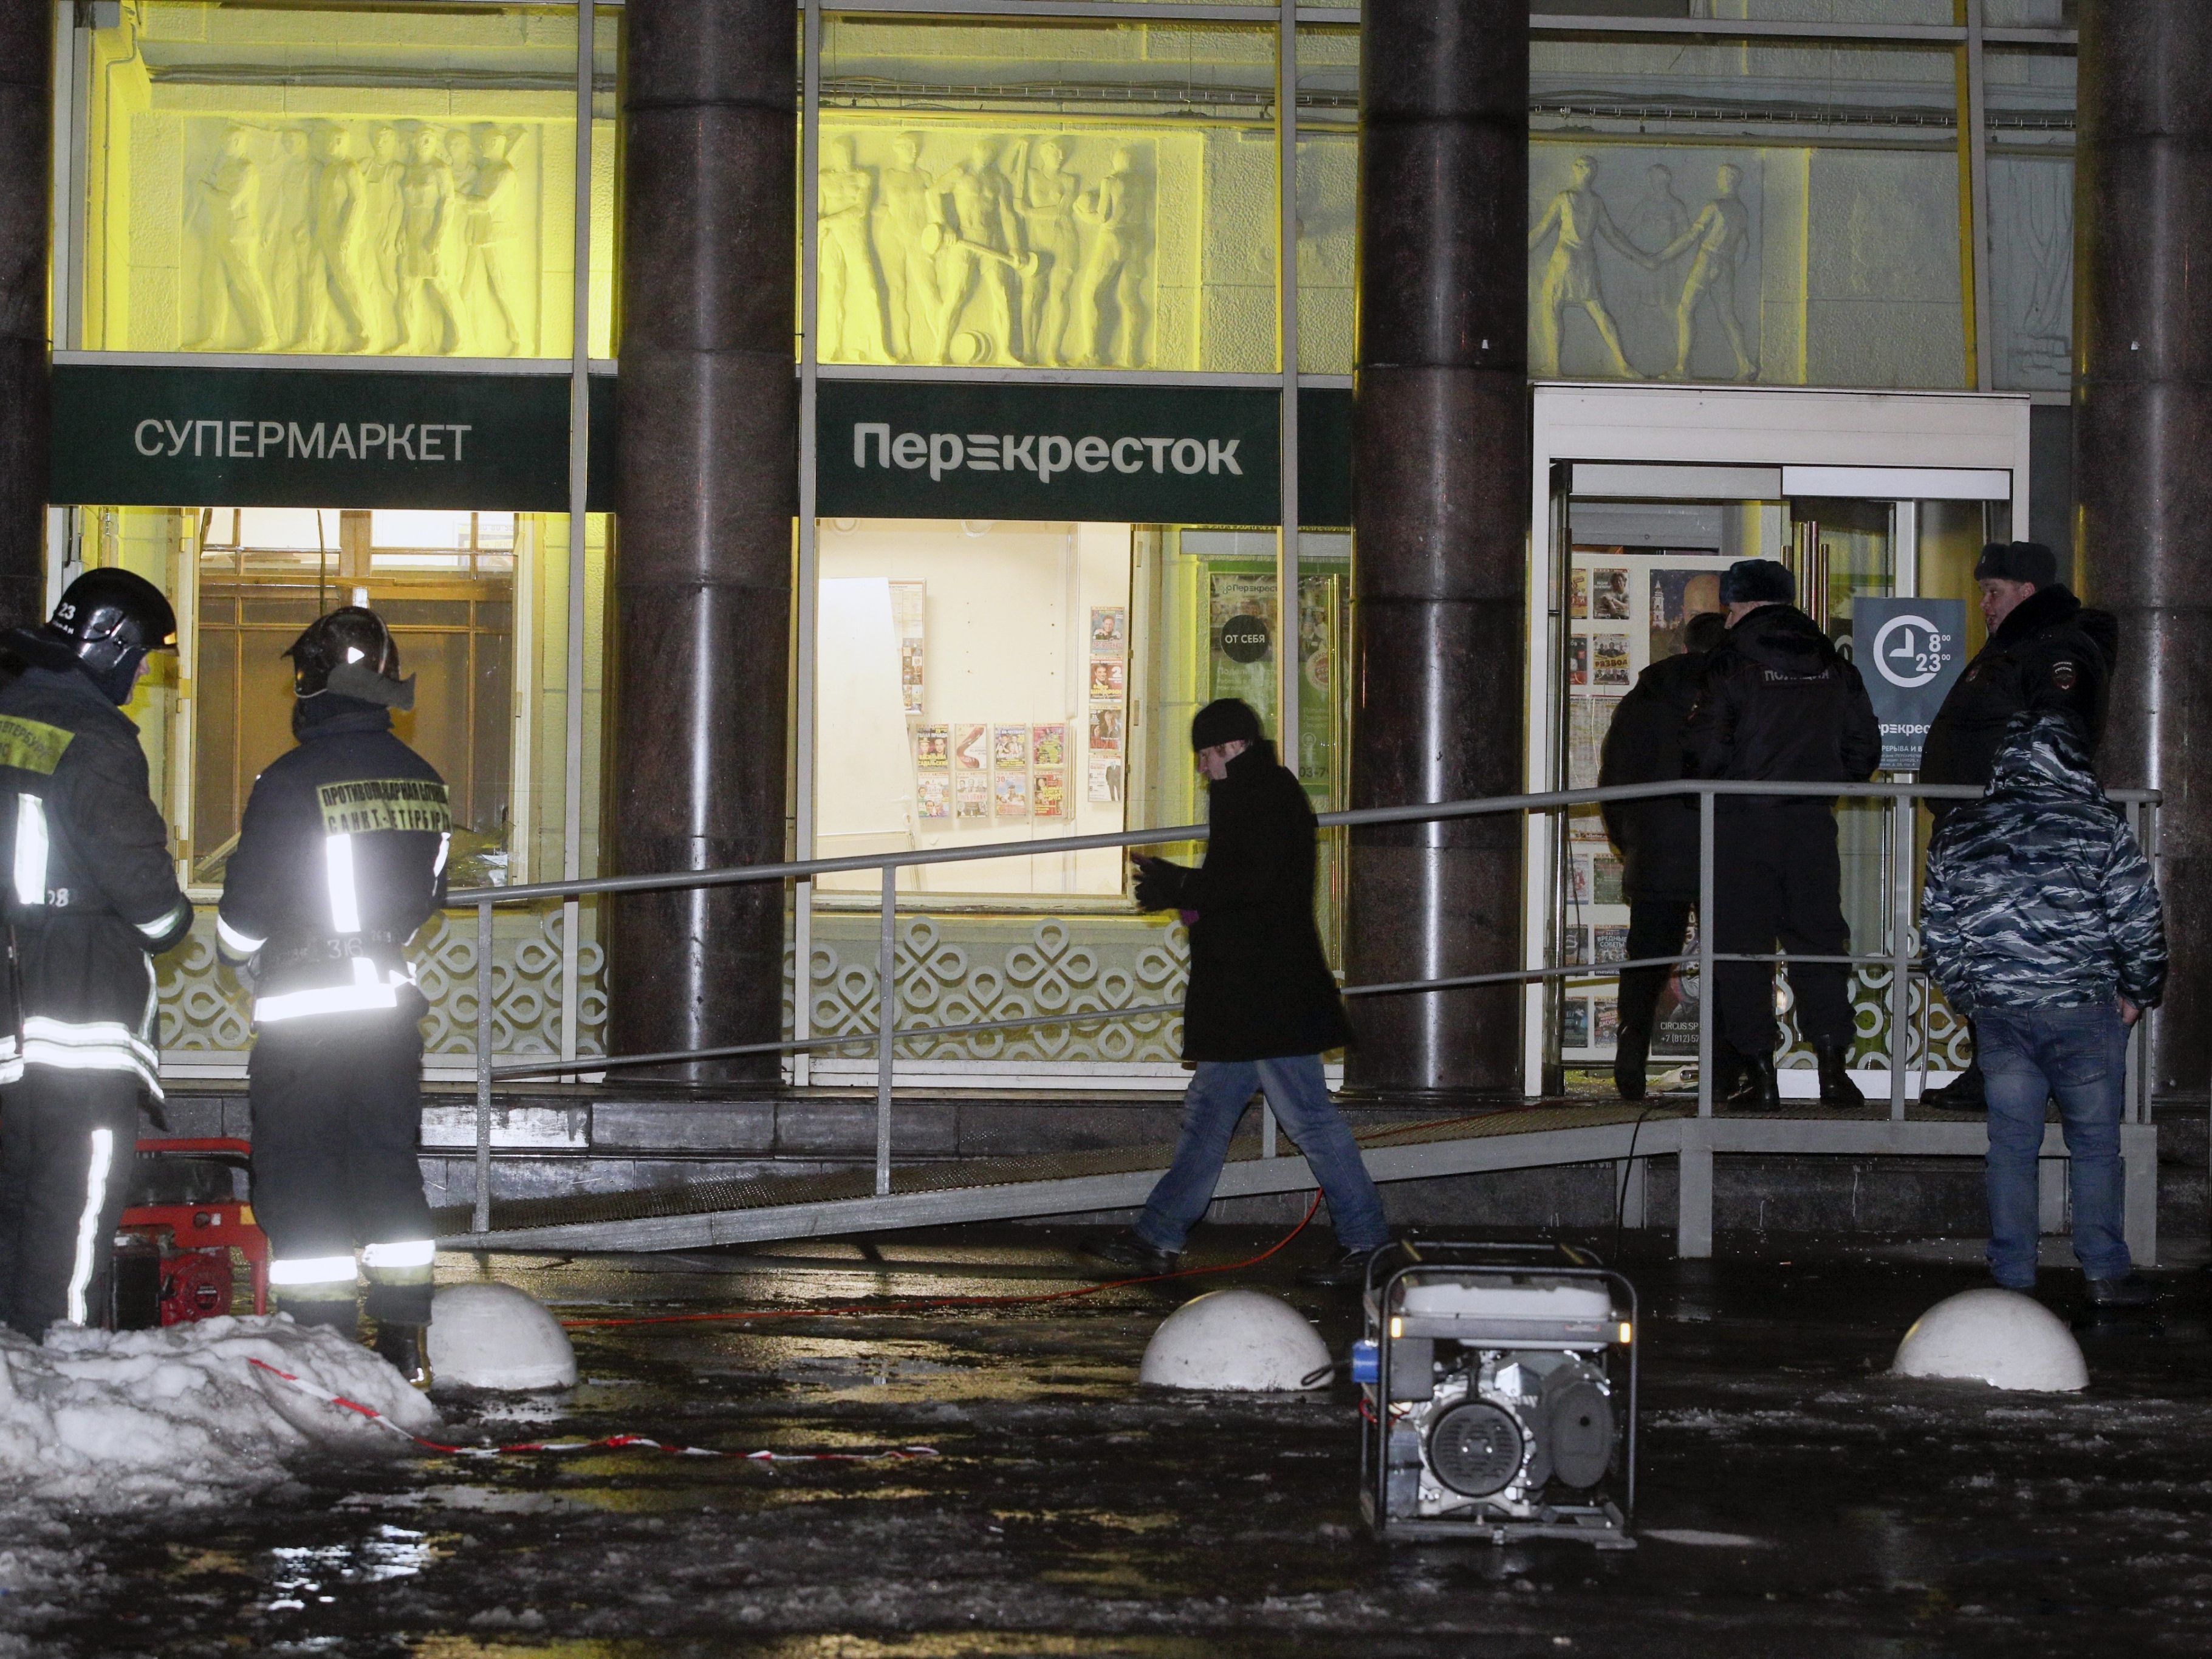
{"x": 1574, "y": 1024}
{"x": 1241, "y": 627}
{"x": 1048, "y": 794}
{"x": 933, "y": 748}
{"x": 1048, "y": 744}
{"x": 1010, "y": 748}
{"x": 1605, "y": 881}
{"x": 1109, "y": 630}
{"x": 1677, "y": 596}
{"x": 1010, "y": 794}
{"x": 1105, "y": 731}
{"x": 1109, "y": 677}
{"x": 1105, "y": 779}
{"x": 1578, "y": 595}
{"x": 971, "y": 748}
{"x": 906, "y": 622}
{"x": 1609, "y": 659}
{"x": 971, "y": 797}
{"x": 1579, "y": 659}
{"x": 932, "y": 796}
{"x": 1609, "y": 595}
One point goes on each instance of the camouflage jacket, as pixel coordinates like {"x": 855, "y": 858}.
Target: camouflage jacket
{"x": 2037, "y": 895}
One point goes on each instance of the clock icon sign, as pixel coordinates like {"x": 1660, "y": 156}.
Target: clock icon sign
{"x": 1909, "y": 651}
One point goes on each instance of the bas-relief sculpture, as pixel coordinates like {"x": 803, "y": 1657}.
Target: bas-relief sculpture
{"x": 383, "y": 237}
{"x": 1684, "y": 275}
{"x": 1009, "y": 250}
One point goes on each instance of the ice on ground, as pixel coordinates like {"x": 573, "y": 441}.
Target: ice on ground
{"x": 109, "y": 1421}
{"x": 498, "y": 1337}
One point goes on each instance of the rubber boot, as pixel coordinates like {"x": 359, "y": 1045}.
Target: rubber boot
{"x": 1757, "y": 1088}
{"x": 1837, "y": 1088}
{"x": 406, "y": 1349}
{"x": 1963, "y": 1093}
{"x": 1630, "y": 1054}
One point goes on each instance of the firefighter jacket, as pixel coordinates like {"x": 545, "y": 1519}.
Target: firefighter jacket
{"x": 1779, "y": 703}
{"x": 341, "y": 856}
{"x": 2036, "y": 896}
{"x": 93, "y": 894}
{"x": 2052, "y": 652}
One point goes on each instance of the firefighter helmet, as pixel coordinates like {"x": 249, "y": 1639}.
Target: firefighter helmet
{"x": 108, "y": 620}
{"x": 352, "y": 653}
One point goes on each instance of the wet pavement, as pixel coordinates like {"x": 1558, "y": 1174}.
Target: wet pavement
{"x": 1793, "y": 1500}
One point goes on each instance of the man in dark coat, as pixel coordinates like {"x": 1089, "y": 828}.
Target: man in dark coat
{"x": 2047, "y": 654}
{"x": 1261, "y": 1005}
{"x": 1657, "y": 839}
{"x": 1780, "y": 704}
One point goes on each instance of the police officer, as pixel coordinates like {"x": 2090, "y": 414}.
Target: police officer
{"x": 341, "y": 857}
{"x": 91, "y": 900}
{"x": 1780, "y": 704}
{"x": 1658, "y": 838}
{"x": 2046, "y": 651}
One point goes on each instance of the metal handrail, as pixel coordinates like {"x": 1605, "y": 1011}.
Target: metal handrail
{"x": 1706, "y": 791}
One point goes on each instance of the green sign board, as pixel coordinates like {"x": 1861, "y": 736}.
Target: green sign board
{"x": 920, "y": 449}
{"x": 132, "y": 435}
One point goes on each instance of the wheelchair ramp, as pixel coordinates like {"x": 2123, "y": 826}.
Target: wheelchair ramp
{"x": 929, "y": 1194}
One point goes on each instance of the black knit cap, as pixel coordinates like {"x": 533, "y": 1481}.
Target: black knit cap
{"x": 2017, "y": 562}
{"x": 1226, "y": 720}
{"x": 1758, "y": 581}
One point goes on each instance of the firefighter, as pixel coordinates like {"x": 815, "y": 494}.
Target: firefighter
{"x": 341, "y": 856}
{"x": 92, "y": 900}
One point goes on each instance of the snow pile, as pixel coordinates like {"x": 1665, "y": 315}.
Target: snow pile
{"x": 1237, "y": 1340}
{"x": 495, "y": 1336}
{"x": 2002, "y": 1337}
{"x": 117, "y": 1420}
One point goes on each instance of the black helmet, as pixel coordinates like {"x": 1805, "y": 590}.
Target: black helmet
{"x": 352, "y": 653}
{"x": 108, "y": 620}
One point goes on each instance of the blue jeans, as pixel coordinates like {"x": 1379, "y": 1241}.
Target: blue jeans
{"x": 2077, "y": 1056}
{"x": 1219, "y": 1091}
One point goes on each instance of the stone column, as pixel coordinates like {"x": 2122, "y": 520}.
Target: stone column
{"x": 1440, "y": 522}
{"x": 27, "y": 63}
{"x": 2143, "y": 455}
{"x": 702, "y": 570}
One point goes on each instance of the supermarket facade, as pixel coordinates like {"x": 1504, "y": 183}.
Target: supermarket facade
{"x": 799, "y": 431}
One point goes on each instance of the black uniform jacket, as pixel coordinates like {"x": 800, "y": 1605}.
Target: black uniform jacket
{"x": 2052, "y": 654}
{"x": 341, "y": 857}
{"x": 93, "y": 891}
{"x": 1658, "y": 838}
{"x": 1780, "y": 702}
{"x": 1260, "y": 986}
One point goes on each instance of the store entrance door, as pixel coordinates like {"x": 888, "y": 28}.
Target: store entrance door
{"x": 1649, "y": 494}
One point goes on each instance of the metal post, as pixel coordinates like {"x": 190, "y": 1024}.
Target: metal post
{"x": 1267, "y": 1130}
{"x": 579, "y": 455}
{"x": 886, "y": 1022}
{"x": 1287, "y": 723}
{"x": 1706, "y": 986}
{"x": 482, "y": 1218}
{"x": 809, "y": 573}
{"x": 1900, "y": 950}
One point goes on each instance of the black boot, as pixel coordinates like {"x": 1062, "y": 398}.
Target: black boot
{"x": 406, "y": 1349}
{"x": 1756, "y": 1089}
{"x": 1629, "y": 1054}
{"x": 1963, "y": 1093}
{"x": 1837, "y": 1088}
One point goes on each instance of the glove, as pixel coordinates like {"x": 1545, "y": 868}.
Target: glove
{"x": 1159, "y": 883}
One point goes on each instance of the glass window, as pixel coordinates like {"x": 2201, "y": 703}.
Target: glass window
{"x": 372, "y": 180}
{"x": 1085, "y": 195}
{"x": 972, "y": 686}
{"x": 2030, "y": 235}
{"x": 1327, "y": 184}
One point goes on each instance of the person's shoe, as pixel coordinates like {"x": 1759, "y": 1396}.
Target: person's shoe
{"x": 406, "y": 1349}
{"x": 1756, "y": 1089}
{"x": 1963, "y": 1093}
{"x": 2129, "y": 1290}
{"x": 1630, "y": 1056}
{"x": 1345, "y": 1270}
{"x": 1837, "y": 1088}
{"x": 1130, "y": 1252}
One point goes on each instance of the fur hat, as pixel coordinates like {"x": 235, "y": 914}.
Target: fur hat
{"x": 2018, "y": 561}
{"x": 1226, "y": 720}
{"x": 1758, "y": 581}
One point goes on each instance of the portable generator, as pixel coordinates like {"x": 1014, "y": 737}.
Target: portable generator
{"x": 187, "y": 1212}
{"x": 1497, "y": 1393}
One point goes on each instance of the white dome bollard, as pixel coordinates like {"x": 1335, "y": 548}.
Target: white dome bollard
{"x": 1243, "y": 1340}
{"x": 2002, "y": 1337}
{"x": 495, "y": 1336}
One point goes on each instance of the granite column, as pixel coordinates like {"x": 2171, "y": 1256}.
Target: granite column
{"x": 2142, "y": 456}
{"x": 1440, "y": 493}
{"x": 709, "y": 413}
{"x": 26, "y": 67}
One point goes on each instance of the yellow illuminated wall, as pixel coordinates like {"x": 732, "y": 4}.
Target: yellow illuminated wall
{"x": 264, "y": 180}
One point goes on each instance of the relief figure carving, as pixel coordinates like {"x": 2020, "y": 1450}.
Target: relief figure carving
{"x": 226, "y": 202}
{"x": 291, "y": 239}
{"x": 1722, "y": 236}
{"x": 1120, "y": 210}
{"x": 909, "y": 261}
{"x": 849, "y": 299}
{"x": 1045, "y": 196}
{"x": 980, "y": 250}
{"x": 426, "y": 289}
{"x": 340, "y": 208}
{"x": 490, "y": 232}
{"x": 1578, "y": 220}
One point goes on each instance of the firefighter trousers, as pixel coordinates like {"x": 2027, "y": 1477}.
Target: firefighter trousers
{"x": 338, "y": 1107}
{"x": 69, "y": 1148}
